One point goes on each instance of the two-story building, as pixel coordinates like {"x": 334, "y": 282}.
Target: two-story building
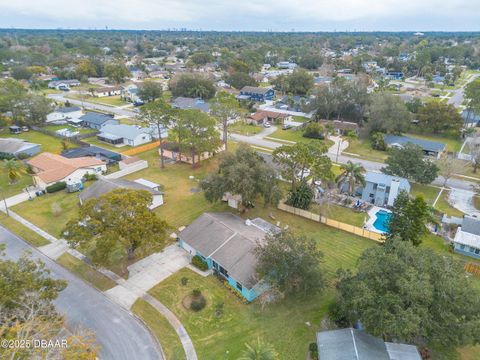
{"x": 226, "y": 243}
{"x": 253, "y": 93}
{"x": 382, "y": 189}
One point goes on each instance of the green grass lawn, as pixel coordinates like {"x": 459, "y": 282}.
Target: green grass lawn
{"x": 363, "y": 148}
{"x": 183, "y": 201}
{"x": 86, "y": 272}
{"x": 49, "y": 143}
{"x": 244, "y": 129}
{"x": 107, "y": 100}
{"x": 25, "y": 233}
{"x": 39, "y": 211}
{"x": 340, "y": 213}
{"x": 476, "y": 202}
{"x": 296, "y": 136}
{"x": 429, "y": 193}
{"x": 161, "y": 328}
{"x": 7, "y": 189}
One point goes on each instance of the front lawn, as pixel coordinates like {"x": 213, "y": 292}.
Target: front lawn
{"x": 106, "y": 100}
{"x": 39, "y": 211}
{"x": 428, "y": 192}
{"x": 243, "y": 128}
{"x": 161, "y": 328}
{"x": 86, "y": 272}
{"x": 49, "y": 143}
{"x": 444, "y": 207}
{"x": 7, "y": 189}
{"x": 25, "y": 233}
{"x": 363, "y": 148}
{"x": 296, "y": 136}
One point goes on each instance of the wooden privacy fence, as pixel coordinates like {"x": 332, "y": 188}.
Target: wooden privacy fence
{"x": 141, "y": 148}
{"x": 333, "y": 223}
{"x": 472, "y": 268}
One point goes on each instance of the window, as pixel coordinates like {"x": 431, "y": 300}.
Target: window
{"x": 477, "y": 251}
{"x": 239, "y": 286}
{"x": 223, "y": 271}
{"x": 472, "y": 249}
{"x": 462, "y": 247}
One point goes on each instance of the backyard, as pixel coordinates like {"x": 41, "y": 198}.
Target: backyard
{"x": 49, "y": 143}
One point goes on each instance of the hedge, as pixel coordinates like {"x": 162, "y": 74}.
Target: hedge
{"x": 56, "y": 187}
{"x": 198, "y": 262}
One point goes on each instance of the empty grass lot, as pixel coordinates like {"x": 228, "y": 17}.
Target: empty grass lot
{"x": 243, "y": 128}
{"x": 363, "y": 148}
{"x": 183, "y": 200}
{"x": 86, "y": 272}
{"x": 107, "y": 100}
{"x": 296, "y": 136}
{"x": 161, "y": 328}
{"x": 25, "y": 233}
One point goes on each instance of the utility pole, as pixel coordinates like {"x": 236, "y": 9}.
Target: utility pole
{"x": 5, "y": 202}
{"x": 338, "y": 150}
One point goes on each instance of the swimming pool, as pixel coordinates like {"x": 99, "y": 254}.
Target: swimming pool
{"x": 381, "y": 223}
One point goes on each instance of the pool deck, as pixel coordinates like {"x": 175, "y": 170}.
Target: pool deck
{"x": 372, "y": 213}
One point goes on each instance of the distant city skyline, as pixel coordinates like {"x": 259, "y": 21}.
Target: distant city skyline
{"x": 246, "y": 15}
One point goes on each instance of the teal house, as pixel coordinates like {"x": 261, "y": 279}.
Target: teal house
{"x": 226, "y": 243}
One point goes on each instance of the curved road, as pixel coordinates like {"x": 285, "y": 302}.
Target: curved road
{"x": 119, "y": 333}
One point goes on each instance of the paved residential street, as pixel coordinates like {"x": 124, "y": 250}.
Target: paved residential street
{"x": 91, "y": 106}
{"x": 119, "y": 333}
{"x": 457, "y": 98}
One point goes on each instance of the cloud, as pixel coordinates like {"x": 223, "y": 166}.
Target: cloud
{"x": 240, "y": 15}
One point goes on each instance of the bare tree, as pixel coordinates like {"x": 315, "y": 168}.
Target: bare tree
{"x": 449, "y": 166}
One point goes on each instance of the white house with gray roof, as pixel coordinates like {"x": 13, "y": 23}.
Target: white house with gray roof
{"x": 226, "y": 243}
{"x": 130, "y": 135}
{"x": 382, "y": 189}
{"x": 467, "y": 237}
{"x": 15, "y": 147}
{"x": 64, "y": 114}
{"x": 353, "y": 344}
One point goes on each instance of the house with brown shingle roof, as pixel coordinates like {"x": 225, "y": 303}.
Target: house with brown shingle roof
{"x": 51, "y": 168}
{"x": 262, "y": 116}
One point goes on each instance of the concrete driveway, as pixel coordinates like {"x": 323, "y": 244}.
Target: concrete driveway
{"x": 147, "y": 273}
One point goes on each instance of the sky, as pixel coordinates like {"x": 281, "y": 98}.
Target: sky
{"x": 244, "y": 15}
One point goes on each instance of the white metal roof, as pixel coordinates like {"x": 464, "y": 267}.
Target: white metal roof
{"x": 468, "y": 239}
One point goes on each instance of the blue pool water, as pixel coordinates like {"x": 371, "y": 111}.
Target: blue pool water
{"x": 383, "y": 217}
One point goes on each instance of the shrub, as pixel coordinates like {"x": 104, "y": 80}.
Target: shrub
{"x": 301, "y": 196}
{"x": 378, "y": 141}
{"x": 198, "y": 262}
{"x": 198, "y": 300}
{"x": 23, "y": 156}
{"x": 56, "y": 187}
{"x": 196, "y": 292}
{"x": 90, "y": 177}
{"x": 314, "y": 131}
{"x": 313, "y": 348}
{"x": 184, "y": 281}
{"x": 219, "y": 309}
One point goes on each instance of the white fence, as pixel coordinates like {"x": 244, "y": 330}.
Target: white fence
{"x": 139, "y": 165}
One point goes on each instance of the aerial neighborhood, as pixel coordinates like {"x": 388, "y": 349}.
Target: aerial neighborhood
{"x": 240, "y": 195}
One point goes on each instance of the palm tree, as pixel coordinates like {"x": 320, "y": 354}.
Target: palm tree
{"x": 14, "y": 169}
{"x": 352, "y": 173}
{"x": 259, "y": 351}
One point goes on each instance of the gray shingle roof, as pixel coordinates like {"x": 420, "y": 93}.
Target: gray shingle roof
{"x": 229, "y": 241}
{"x": 254, "y": 90}
{"x": 123, "y": 131}
{"x": 186, "y": 103}
{"x": 424, "y": 144}
{"x": 380, "y": 178}
{"x": 13, "y": 146}
{"x": 471, "y": 225}
{"x": 352, "y": 344}
{"x": 103, "y": 186}
{"x": 95, "y": 118}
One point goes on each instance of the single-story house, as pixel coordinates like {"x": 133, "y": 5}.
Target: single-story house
{"x": 431, "y": 148}
{"x": 261, "y": 116}
{"x": 125, "y": 135}
{"x": 14, "y": 147}
{"x": 467, "y": 237}
{"x": 108, "y": 156}
{"x": 286, "y": 65}
{"x": 226, "y": 243}
{"x": 340, "y": 127}
{"x": 292, "y": 103}
{"x": 185, "y": 103}
{"x": 353, "y": 344}
{"x": 103, "y": 186}
{"x": 96, "y": 120}
{"x": 65, "y": 113}
{"x": 256, "y": 93}
{"x": 130, "y": 93}
{"x": 171, "y": 151}
{"x": 63, "y": 84}
{"x": 107, "y": 91}
{"x": 382, "y": 189}
{"x": 51, "y": 168}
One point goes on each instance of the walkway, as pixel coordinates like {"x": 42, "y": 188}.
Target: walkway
{"x": 463, "y": 201}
